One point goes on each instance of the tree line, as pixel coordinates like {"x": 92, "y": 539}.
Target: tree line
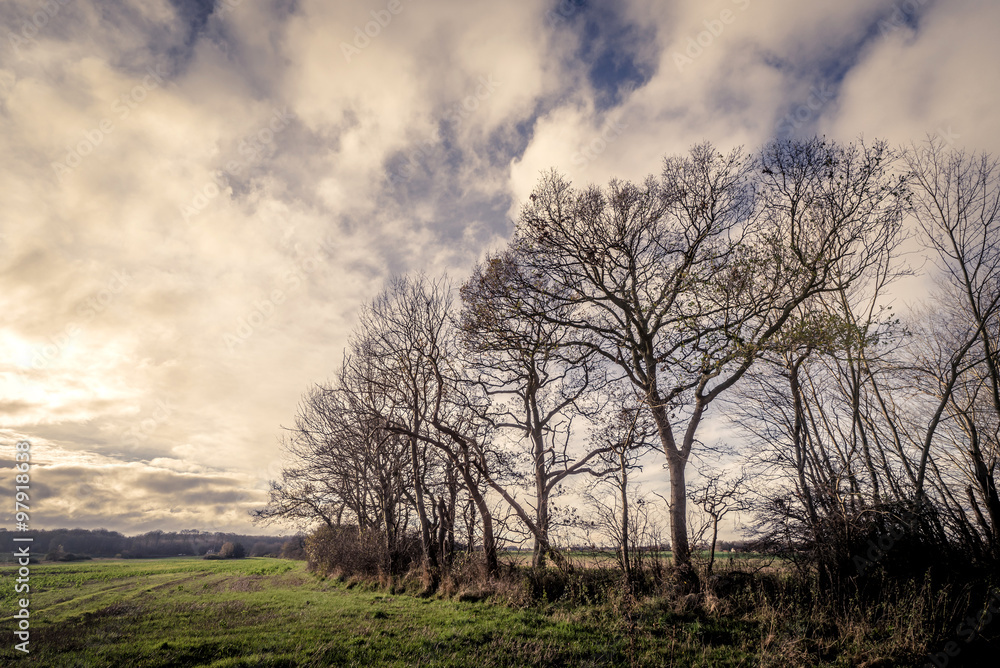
{"x": 749, "y": 288}
{"x": 106, "y": 543}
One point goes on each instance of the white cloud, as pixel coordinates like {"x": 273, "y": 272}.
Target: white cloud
{"x": 410, "y": 155}
{"x": 930, "y": 81}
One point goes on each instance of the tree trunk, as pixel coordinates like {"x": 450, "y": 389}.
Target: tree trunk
{"x": 678, "y": 511}
{"x": 799, "y": 437}
{"x": 988, "y": 489}
{"x": 676, "y": 463}
{"x": 542, "y": 513}
{"x": 489, "y": 540}
{"x": 452, "y": 516}
{"x": 388, "y": 526}
{"x": 442, "y": 533}
{"x": 626, "y": 558}
{"x": 470, "y": 526}
{"x": 715, "y": 537}
{"x": 430, "y": 565}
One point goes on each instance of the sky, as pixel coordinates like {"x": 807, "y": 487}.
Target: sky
{"x": 196, "y": 197}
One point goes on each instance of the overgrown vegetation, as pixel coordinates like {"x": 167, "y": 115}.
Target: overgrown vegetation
{"x": 268, "y": 612}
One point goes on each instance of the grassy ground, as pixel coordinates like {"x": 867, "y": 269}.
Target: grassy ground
{"x": 270, "y": 612}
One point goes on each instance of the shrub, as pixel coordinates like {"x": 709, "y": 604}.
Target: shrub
{"x": 59, "y": 554}
{"x": 348, "y": 550}
{"x": 55, "y": 555}
{"x": 229, "y": 550}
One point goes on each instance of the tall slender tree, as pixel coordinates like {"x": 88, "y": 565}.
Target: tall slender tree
{"x": 536, "y": 382}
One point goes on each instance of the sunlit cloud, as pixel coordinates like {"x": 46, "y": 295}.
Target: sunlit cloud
{"x": 199, "y": 195}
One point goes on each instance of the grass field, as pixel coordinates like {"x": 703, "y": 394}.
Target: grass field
{"x": 270, "y": 612}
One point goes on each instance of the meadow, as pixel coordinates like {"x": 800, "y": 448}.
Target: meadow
{"x": 262, "y": 612}
{"x": 271, "y": 612}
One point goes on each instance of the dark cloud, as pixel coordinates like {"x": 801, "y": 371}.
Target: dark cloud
{"x": 173, "y": 484}
{"x": 14, "y": 407}
{"x": 136, "y": 496}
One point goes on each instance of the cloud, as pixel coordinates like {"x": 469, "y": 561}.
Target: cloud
{"x": 198, "y": 196}
{"x": 926, "y": 79}
{"x": 95, "y": 491}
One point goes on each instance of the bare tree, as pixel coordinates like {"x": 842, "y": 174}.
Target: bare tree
{"x": 536, "y": 382}
{"x": 876, "y": 423}
{"x": 957, "y": 206}
{"x": 626, "y": 435}
{"x": 683, "y": 281}
{"x": 717, "y": 494}
{"x": 342, "y": 466}
{"x": 405, "y": 338}
{"x": 388, "y": 376}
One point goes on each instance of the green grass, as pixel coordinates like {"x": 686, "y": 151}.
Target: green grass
{"x": 270, "y": 612}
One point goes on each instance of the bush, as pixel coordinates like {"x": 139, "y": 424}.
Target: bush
{"x": 232, "y": 551}
{"x": 228, "y": 551}
{"x": 66, "y": 556}
{"x": 348, "y": 550}
{"x": 59, "y": 554}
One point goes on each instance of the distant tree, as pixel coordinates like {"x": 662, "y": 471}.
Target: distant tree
{"x": 717, "y": 495}
{"x": 293, "y": 548}
{"x": 261, "y": 549}
{"x": 55, "y": 553}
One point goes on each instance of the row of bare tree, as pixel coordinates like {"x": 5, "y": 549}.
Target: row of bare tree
{"x": 617, "y": 317}
{"x": 871, "y": 429}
